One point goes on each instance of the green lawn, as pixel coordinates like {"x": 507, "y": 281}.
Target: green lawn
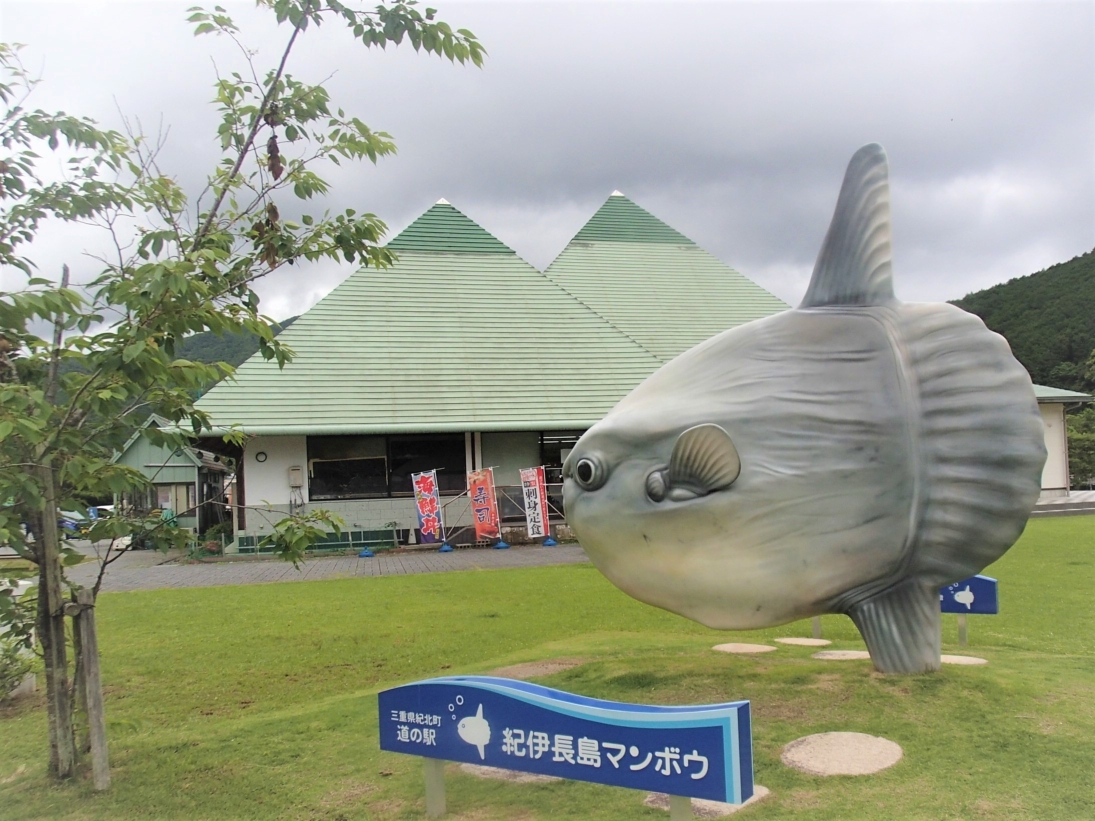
{"x": 259, "y": 702}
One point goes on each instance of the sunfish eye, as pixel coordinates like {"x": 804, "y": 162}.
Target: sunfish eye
{"x": 589, "y": 473}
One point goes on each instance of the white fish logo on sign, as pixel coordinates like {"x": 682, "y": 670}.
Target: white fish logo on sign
{"x": 965, "y": 597}
{"x": 475, "y": 731}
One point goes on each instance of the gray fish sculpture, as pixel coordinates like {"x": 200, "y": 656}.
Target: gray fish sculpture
{"x": 852, "y": 456}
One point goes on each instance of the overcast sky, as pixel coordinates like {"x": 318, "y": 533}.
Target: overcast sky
{"x": 732, "y": 121}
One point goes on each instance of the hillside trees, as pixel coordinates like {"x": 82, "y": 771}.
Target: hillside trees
{"x": 84, "y": 358}
{"x": 1048, "y": 318}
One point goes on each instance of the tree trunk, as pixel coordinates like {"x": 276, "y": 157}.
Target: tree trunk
{"x": 51, "y": 632}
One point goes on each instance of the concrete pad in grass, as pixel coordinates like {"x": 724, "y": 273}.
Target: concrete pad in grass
{"x": 735, "y": 647}
{"x": 841, "y": 655}
{"x": 962, "y": 660}
{"x": 802, "y": 642}
{"x": 841, "y": 754}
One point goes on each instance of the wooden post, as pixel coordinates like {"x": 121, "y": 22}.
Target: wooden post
{"x": 435, "y": 787}
{"x": 680, "y": 808}
{"x": 79, "y": 683}
{"x": 816, "y": 621}
{"x": 51, "y": 630}
{"x": 963, "y": 634}
{"x": 96, "y": 718}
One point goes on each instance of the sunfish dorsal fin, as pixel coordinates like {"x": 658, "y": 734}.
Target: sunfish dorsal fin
{"x": 854, "y": 266}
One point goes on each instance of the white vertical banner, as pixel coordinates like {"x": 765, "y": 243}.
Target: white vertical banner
{"x": 534, "y": 491}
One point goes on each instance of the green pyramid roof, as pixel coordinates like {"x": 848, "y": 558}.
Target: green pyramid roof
{"x": 443, "y": 228}
{"x": 621, "y": 220}
{"x": 459, "y": 334}
{"x": 653, "y": 283}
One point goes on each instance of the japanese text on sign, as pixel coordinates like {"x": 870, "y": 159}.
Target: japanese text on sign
{"x": 484, "y": 504}
{"x": 534, "y": 491}
{"x": 701, "y": 752}
{"x": 428, "y": 504}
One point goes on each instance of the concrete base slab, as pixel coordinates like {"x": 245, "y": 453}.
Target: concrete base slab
{"x": 499, "y": 774}
{"x": 805, "y": 642}
{"x": 962, "y": 660}
{"x": 734, "y": 647}
{"x": 841, "y": 754}
{"x": 703, "y": 808}
{"x": 841, "y": 655}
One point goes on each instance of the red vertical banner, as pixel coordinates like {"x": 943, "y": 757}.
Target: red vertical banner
{"x": 428, "y": 503}
{"x": 484, "y": 504}
{"x": 534, "y": 491}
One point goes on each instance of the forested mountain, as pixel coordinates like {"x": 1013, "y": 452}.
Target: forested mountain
{"x": 235, "y": 349}
{"x": 1049, "y": 320}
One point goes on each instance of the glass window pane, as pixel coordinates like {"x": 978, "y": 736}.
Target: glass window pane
{"x": 347, "y": 467}
{"x": 415, "y": 454}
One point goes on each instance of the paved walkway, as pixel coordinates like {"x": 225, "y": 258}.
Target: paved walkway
{"x": 151, "y": 570}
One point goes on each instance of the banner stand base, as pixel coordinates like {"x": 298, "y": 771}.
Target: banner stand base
{"x": 501, "y": 545}
{"x": 445, "y": 548}
{"x": 366, "y": 554}
{"x": 550, "y": 542}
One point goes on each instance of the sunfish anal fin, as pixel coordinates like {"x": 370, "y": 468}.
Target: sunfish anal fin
{"x": 901, "y": 627}
{"x": 854, "y": 266}
{"x": 704, "y": 460}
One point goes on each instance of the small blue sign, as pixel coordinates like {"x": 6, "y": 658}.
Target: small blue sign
{"x": 700, "y": 752}
{"x": 977, "y": 594}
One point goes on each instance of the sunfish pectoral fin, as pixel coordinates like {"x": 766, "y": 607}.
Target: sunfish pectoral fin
{"x": 704, "y": 460}
{"x": 901, "y": 627}
{"x": 854, "y": 266}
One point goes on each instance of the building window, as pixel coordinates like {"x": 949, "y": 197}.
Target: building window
{"x": 415, "y": 454}
{"x": 347, "y": 467}
{"x": 362, "y": 467}
{"x": 555, "y": 447}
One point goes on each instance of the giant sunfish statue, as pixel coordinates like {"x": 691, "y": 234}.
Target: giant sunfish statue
{"x": 852, "y": 455}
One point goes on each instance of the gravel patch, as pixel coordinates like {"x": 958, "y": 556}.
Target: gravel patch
{"x": 841, "y": 754}
{"x": 497, "y": 773}
{"x": 734, "y": 647}
{"x": 704, "y": 808}
{"x": 806, "y": 642}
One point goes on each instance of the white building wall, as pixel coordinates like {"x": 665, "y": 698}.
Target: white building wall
{"x": 269, "y": 481}
{"x": 1055, "y": 473}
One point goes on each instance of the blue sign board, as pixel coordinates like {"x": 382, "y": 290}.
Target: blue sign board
{"x": 699, "y": 752}
{"x": 977, "y": 594}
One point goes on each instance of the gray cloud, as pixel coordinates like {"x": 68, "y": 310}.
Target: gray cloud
{"x": 731, "y": 121}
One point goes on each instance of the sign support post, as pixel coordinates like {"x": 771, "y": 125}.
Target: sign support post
{"x": 435, "y": 786}
{"x": 963, "y": 635}
{"x": 816, "y": 621}
{"x": 680, "y": 808}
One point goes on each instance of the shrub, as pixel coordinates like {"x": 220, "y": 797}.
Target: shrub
{"x": 15, "y": 665}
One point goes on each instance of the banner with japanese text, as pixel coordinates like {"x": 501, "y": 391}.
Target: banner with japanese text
{"x": 428, "y": 503}
{"x": 534, "y": 490}
{"x": 484, "y": 504}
